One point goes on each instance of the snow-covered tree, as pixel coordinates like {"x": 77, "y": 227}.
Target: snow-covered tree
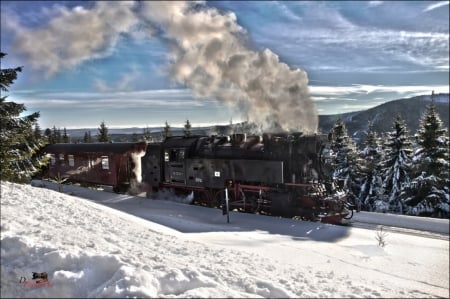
{"x": 396, "y": 164}
{"x": 103, "y": 135}
{"x": 18, "y": 144}
{"x": 428, "y": 192}
{"x": 345, "y": 160}
{"x": 37, "y": 132}
{"x": 371, "y": 193}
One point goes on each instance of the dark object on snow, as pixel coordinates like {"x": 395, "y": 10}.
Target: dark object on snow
{"x": 37, "y": 275}
{"x": 40, "y": 279}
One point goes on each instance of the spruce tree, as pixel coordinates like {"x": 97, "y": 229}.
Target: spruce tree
{"x": 167, "y": 132}
{"x": 428, "y": 192}
{"x": 65, "y": 137}
{"x": 48, "y": 135}
{"x": 18, "y": 146}
{"x": 87, "y": 138}
{"x": 56, "y": 135}
{"x": 103, "y": 135}
{"x": 371, "y": 193}
{"x": 396, "y": 164}
{"x": 187, "y": 128}
{"x": 345, "y": 161}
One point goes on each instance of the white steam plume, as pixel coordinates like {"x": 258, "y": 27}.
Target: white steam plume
{"x": 212, "y": 59}
{"x": 210, "y": 56}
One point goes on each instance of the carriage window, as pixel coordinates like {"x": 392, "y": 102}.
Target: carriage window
{"x": 52, "y": 159}
{"x": 61, "y": 159}
{"x": 71, "y": 160}
{"x": 105, "y": 162}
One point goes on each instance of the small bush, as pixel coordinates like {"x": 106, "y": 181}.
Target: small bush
{"x": 381, "y": 237}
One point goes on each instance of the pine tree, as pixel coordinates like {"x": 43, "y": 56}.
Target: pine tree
{"x": 371, "y": 193}
{"x": 56, "y": 135}
{"x": 18, "y": 146}
{"x": 428, "y": 192}
{"x": 87, "y": 138}
{"x": 396, "y": 165}
{"x": 345, "y": 160}
{"x": 103, "y": 133}
{"x": 187, "y": 129}
{"x": 65, "y": 137}
{"x": 48, "y": 135}
{"x": 167, "y": 132}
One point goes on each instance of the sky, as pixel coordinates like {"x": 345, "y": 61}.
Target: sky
{"x": 98, "y": 244}
{"x": 144, "y": 63}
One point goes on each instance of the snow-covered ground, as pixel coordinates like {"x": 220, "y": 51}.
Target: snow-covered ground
{"x": 99, "y": 244}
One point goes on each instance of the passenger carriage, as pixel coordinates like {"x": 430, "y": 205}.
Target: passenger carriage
{"x": 111, "y": 164}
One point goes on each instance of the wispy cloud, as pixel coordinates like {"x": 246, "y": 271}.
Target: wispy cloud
{"x": 321, "y": 91}
{"x": 390, "y": 49}
{"x": 345, "y": 97}
{"x": 125, "y": 83}
{"x": 286, "y": 11}
{"x": 108, "y": 100}
{"x": 328, "y": 36}
{"x": 342, "y": 99}
{"x": 436, "y": 5}
{"x": 375, "y": 3}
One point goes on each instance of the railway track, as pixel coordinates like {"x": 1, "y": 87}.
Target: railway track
{"x": 402, "y": 230}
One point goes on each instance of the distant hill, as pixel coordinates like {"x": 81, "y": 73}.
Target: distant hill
{"x": 382, "y": 116}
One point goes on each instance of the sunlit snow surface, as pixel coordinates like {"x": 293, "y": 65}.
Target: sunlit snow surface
{"x": 99, "y": 244}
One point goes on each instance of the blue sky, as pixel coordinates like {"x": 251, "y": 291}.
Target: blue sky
{"x": 129, "y": 64}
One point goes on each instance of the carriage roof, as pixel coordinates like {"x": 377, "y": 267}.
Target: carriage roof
{"x": 117, "y": 148}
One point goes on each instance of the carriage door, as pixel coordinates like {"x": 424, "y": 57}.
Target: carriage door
{"x": 174, "y": 165}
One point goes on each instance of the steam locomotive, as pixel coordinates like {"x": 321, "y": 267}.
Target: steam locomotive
{"x": 286, "y": 175}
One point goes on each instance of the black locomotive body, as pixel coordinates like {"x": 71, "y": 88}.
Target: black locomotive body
{"x": 276, "y": 174}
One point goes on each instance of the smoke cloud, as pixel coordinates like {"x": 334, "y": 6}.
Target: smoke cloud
{"x": 210, "y": 55}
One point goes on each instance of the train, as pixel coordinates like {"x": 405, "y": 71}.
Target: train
{"x": 278, "y": 174}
